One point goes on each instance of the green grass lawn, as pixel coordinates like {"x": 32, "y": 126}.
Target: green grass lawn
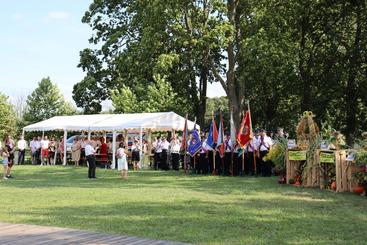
{"x": 172, "y": 206}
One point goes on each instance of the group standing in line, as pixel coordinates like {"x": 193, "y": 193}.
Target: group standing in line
{"x": 167, "y": 154}
{"x": 235, "y": 161}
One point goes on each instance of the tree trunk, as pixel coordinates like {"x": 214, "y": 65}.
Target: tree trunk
{"x": 203, "y": 89}
{"x": 233, "y": 89}
{"x": 304, "y": 68}
{"x": 351, "y": 91}
{"x": 204, "y": 72}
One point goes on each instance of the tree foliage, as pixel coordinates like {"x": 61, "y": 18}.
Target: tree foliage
{"x": 7, "y": 118}
{"x": 159, "y": 97}
{"x": 283, "y": 56}
{"x": 45, "y": 102}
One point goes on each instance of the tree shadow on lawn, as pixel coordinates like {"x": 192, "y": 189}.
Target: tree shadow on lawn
{"x": 45, "y": 177}
{"x": 65, "y": 177}
{"x": 271, "y": 221}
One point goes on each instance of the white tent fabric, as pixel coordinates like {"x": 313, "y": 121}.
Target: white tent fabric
{"x": 160, "y": 121}
{"x": 135, "y": 122}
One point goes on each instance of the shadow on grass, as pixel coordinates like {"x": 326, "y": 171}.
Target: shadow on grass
{"x": 273, "y": 222}
{"x": 64, "y": 177}
{"x": 238, "y": 210}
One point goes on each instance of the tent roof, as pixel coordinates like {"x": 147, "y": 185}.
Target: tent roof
{"x": 159, "y": 121}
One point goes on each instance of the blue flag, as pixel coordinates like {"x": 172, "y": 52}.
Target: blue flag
{"x": 213, "y": 135}
{"x": 210, "y": 140}
{"x": 195, "y": 142}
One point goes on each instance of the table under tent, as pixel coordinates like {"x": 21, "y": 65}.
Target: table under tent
{"x": 115, "y": 123}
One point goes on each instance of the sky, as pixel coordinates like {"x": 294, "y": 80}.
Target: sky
{"x": 42, "y": 38}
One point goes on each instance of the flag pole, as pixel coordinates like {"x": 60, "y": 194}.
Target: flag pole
{"x": 222, "y": 137}
{"x": 194, "y": 163}
{"x": 232, "y": 163}
{"x": 243, "y": 162}
{"x": 252, "y": 134}
{"x": 185, "y": 154}
{"x": 195, "y": 153}
{"x": 243, "y": 151}
{"x": 233, "y": 146}
{"x": 214, "y": 153}
{"x": 214, "y": 150}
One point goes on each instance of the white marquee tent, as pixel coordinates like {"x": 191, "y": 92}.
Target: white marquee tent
{"x": 137, "y": 122}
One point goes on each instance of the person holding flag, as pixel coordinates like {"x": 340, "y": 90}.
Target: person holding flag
{"x": 194, "y": 146}
{"x": 228, "y": 164}
{"x": 232, "y": 142}
{"x": 244, "y": 137}
{"x": 183, "y": 148}
{"x": 203, "y": 160}
{"x": 212, "y": 143}
{"x": 250, "y": 156}
{"x": 221, "y": 147}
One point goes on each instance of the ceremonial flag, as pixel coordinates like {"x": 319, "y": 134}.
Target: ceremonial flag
{"x": 184, "y": 137}
{"x": 195, "y": 142}
{"x": 244, "y": 134}
{"x": 233, "y": 131}
{"x": 240, "y": 152}
{"x": 220, "y": 143}
{"x": 213, "y": 134}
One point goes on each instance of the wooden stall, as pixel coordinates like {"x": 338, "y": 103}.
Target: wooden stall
{"x": 344, "y": 173}
{"x": 295, "y": 161}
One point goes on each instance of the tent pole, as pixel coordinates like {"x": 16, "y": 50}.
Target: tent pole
{"x": 43, "y": 134}
{"x": 89, "y": 135}
{"x": 113, "y": 150}
{"x": 126, "y": 140}
{"x": 149, "y": 145}
{"x": 141, "y": 148}
{"x": 65, "y": 138}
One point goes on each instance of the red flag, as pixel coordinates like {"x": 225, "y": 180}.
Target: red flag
{"x": 215, "y": 131}
{"x": 244, "y": 134}
{"x": 220, "y": 142}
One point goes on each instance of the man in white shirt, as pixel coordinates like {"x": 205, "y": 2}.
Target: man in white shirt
{"x": 250, "y": 155}
{"x": 175, "y": 153}
{"x": 165, "y": 147}
{"x": 203, "y": 159}
{"x": 228, "y": 155}
{"x": 38, "y": 150}
{"x": 264, "y": 144}
{"x": 91, "y": 158}
{"x": 22, "y": 144}
{"x": 157, "y": 145}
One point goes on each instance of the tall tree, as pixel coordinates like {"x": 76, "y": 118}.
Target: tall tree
{"x": 284, "y": 56}
{"x": 160, "y": 97}
{"x": 45, "y": 102}
{"x": 7, "y": 118}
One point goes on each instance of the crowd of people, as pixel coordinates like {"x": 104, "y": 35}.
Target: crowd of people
{"x": 163, "y": 153}
{"x": 235, "y": 161}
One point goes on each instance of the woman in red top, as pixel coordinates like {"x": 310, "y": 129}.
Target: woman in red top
{"x": 103, "y": 151}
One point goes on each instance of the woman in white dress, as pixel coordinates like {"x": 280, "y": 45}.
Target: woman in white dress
{"x": 121, "y": 160}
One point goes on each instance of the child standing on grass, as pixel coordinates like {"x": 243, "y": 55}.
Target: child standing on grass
{"x": 4, "y": 159}
{"x": 122, "y": 161}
